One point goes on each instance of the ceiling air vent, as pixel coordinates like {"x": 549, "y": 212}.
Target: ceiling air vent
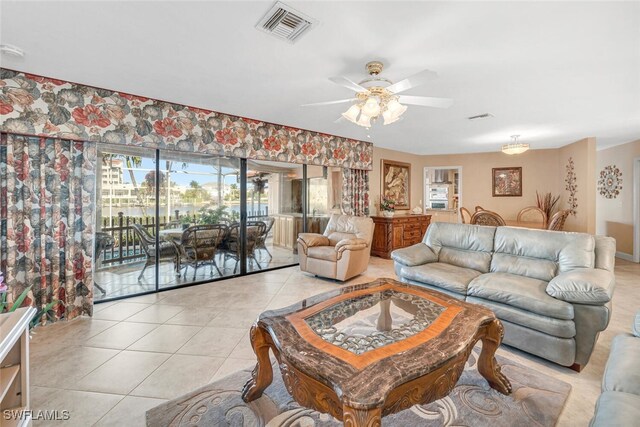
{"x": 480, "y": 116}
{"x": 284, "y": 22}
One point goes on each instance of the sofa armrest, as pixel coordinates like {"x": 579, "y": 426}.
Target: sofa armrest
{"x": 635, "y": 328}
{"x": 417, "y": 254}
{"x": 583, "y": 286}
{"x": 308, "y": 240}
{"x": 350, "y": 245}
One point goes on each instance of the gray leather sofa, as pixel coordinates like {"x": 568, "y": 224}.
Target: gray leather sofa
{"x": 619, "y": 403}
{"x": 551, "y": 290}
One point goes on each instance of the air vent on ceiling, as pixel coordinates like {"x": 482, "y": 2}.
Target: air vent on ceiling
{"x": 285, "y": 22}
{"x": 480, "y": 116}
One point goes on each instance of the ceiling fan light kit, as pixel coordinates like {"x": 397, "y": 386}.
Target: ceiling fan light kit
{"x": 515, "y": 147}
{"x": 377, "y": 96}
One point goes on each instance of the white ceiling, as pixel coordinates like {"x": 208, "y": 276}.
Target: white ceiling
{"x": 551, "y": 72}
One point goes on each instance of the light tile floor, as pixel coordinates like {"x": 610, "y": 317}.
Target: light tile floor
{"x": 122, "y": 279}
{"x": 134, "y": 354}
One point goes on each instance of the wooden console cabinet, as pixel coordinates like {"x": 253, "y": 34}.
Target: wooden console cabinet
{"x": 397, "y": 232}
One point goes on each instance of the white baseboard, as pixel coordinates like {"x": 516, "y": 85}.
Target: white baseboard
{"x": 624, "y": 256}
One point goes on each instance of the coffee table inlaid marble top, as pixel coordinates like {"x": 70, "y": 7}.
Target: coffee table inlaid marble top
{"x": 364, "y": 351}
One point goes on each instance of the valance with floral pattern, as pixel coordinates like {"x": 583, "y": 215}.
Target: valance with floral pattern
{"x": 35, "y": 105}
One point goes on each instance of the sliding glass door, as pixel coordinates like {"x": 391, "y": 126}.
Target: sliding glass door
{"x": 125, "y": 258}
{"x": 201, "y": 200}
{"x": 274, "y": 214}
{"x": 167, "y": 219}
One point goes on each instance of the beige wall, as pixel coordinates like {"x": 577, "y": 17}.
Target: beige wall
{"x": 417, "y": 164}
{"x": 539, "y": 172}
{"x": 614, "y": 217}
{"x": 583, "y": 153}
{"x": 542, "y": 170}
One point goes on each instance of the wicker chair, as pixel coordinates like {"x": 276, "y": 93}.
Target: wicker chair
{"x": 533, "y": 214}
{"x": 556, "y": 223}
{"x": 479, "y": 208}
{"x": 103, "y": 241}
{"x": 232, "y": 248}
{"x": 168, "y": 250}
{"x": 487, "y": 218}
{"x": 465, "y": 216}
{"x": 199, "y": 245}
{"x": 262, "y": 239}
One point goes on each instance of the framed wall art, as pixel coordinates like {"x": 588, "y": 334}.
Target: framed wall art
{"x": 396, "y": 183}
{"x": 507, "y": 182}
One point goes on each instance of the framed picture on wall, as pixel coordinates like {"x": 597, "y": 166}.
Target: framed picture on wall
{"x": 396, "y": 182}
{"x": 507, "y": 182}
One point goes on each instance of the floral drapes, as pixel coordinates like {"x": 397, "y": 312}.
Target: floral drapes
{"x": 36, "y": 105}
{"x": 47, "y": 214}
{"x": 355, "y": 192}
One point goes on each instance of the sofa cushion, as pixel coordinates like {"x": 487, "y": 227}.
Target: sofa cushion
{"x": 447, "y": 276}
{"x": 327, "y": 253}
{"x": 542, "y": 253}
{"x": 558, "y": 350}
{"x": 622, "y": 372}
{"x": 463, "y": 245}
{"x": 615, "y": 409}
{"x": 548, "y": 325}
{"x": 521, "y": 292}
{"x": 535, "y": 268}
{"x": 361, "y": 226}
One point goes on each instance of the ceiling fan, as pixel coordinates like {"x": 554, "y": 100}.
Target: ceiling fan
{"x": 378, "y": 96}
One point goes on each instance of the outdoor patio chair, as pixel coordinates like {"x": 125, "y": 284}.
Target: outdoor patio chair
{"x": 200, "y": 244}
{"x": 103, "y": 241}
{"x": 168, "y": 250}
{"x": 261, "y": 243}
{"x": 232, "y": 245}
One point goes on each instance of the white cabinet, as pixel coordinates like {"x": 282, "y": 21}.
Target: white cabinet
{"x": 14, "y": 367}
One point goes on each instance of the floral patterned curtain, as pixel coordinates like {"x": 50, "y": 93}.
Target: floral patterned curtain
{"x": 355, "y": 192}
{"x": 46, "y": 222}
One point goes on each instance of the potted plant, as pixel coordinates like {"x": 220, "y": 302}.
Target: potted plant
{"x": 387, "y": 206}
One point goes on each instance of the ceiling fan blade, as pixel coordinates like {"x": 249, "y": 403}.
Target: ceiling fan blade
{"x": 426, "y": 101}
{"x": 348, "y": 83}
{"x": 341, "y": 101}
{"x": 412, "y": 81}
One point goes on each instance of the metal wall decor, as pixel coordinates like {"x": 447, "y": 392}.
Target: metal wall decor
{"x": 610, "y": 182}
{"x": 571, "y": 186}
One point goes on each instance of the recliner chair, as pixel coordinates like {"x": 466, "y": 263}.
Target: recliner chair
{"x": 341, "y": 252}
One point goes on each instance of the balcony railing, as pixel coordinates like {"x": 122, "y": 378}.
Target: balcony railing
{"x": 127, "y": 245}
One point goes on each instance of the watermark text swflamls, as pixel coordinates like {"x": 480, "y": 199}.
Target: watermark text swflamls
{"x": 42, "y": 415}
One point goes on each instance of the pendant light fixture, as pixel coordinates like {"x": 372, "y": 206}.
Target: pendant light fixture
{"x": 515, "y": 147}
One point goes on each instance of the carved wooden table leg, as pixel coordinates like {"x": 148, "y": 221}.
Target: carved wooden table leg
{"x": 352, "y": 417}
{"x": 487, "y": 364}
{"x": 262, "y": 374}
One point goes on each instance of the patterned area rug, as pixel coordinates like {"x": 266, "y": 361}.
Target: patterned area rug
{"x": 536, "y": 400}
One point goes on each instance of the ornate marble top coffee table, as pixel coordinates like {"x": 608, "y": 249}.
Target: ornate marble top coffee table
{"x": 365, "y": 351}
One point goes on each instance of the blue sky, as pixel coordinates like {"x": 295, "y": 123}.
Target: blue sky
{"x": 192, "y": 172}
